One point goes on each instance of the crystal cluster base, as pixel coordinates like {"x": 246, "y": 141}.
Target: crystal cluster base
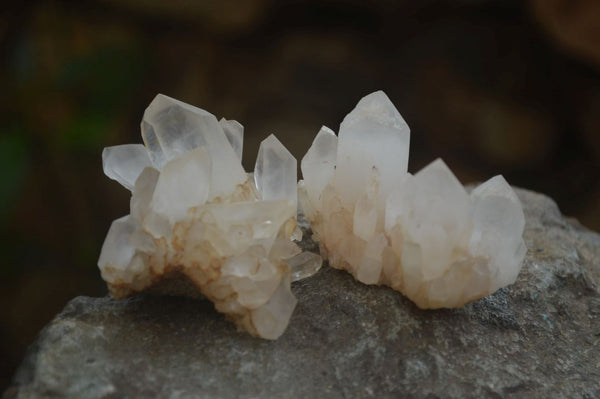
{"x": 196, "y": 213}
{"x": 423, "y": 234}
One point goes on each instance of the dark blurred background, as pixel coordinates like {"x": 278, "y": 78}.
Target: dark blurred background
{"x": 509, "y": 87}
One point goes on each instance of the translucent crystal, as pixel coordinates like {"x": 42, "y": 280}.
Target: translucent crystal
{"x": 498, "y": 222}
{"x": 372, "y": 137}
{"x": 318, "y": 165}
{"x": 271, "y": 319}
{"x": 142, "y": 193}
{"x": 264, "y": 219}
{"x": 241, "y": 265}
{"x": 304, "y": 265}
{"x": 171, "y": 128}
{"x": 210, "y": 226}
{"x": 275, "y": 173}
{"x": 152, "y": 145}
{"x": 437, "y": 217}
{"x": 235, "y": 135}
{"x": 124, "y": 163}
{"x": 283, "y": 249}
{"x": 255, "y": 290}
{"x": 365, "y": 212}
{"x": 371, "y": 264}
{"x": 422, "y": 235}
{"x": 184, "y": 182}
{"x": 117, "y": 250}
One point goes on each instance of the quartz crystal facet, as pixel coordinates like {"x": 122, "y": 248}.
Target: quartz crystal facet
{"x": 423, "y": 234}
{"x": 196, "y": 215}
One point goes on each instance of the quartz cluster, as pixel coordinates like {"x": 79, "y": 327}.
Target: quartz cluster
{"x": 196, "y": 214}
{"x": 423, "y": 234}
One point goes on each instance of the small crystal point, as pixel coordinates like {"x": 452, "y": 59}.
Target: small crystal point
{"x": 271, "y": 319}
{"x": 176, "y": 125}
{"x": 304, "y": 265}
{"x": 318, "y": 165}
{"x": 275, "y": 172}
{"x": 142, "y": 193}
{"x": 152, "y": 145}
{"x": 378, "y": 109}
{"x": 498, "y": 224}
{"x": 171, "y": 128}
{"x": 183, "y": 183}
{"x": 117, "y": 250}
{"x": 440, "y": 197}
{"x": 438, "y": 217}
{"x": 124, "y": 163}
{"x": 437, "y": 177}
{"x": 235, "y": 134}
{"x": 374, "y": 136}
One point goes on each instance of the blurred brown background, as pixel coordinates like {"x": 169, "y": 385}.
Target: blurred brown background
{"x": 509, "y": 87}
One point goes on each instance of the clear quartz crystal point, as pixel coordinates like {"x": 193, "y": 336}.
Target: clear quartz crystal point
{"x": 318, "y": 165}
{"x": 271, "y": 319}
{"x": 117, "y": 250}
{"x": 374, "y": 136}
{"x": 498, "y": 224}
{"x": 170, "y": 128}
{"x": 421, "y": 234}
{"x": 304, "y": 265}
{"x": 152, "y": 145}
{"x": 275, "y": 172}
{"x": 437, "y": 217}
{"x": 183, "y": 183}
{"x": 124, "y": 163}
{"x": 235, "y": 134}
{"x": 142, "y": 193}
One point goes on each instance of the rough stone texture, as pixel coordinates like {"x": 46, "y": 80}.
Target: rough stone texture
{"x": 537, "y": 338}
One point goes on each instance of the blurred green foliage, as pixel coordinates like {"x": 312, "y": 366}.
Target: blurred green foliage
{"x": 102, "y": 83}
{"x": 14, "y": 162}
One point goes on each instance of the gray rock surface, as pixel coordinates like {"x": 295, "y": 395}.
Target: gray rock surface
{"x": 537, "y": 338}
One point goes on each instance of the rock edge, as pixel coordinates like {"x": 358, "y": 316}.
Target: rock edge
{"x": 537, "y": 337}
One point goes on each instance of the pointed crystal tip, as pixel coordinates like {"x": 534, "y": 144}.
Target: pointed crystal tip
{"x": 124, "y": 163}
{"x": 171, "y": 128}
{"x": 275, "y": 172}
{"x": 304, "y": 265}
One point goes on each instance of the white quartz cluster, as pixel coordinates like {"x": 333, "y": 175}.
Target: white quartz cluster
{"x": 423, "y": 234}
{"x": 196, "y": 213}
